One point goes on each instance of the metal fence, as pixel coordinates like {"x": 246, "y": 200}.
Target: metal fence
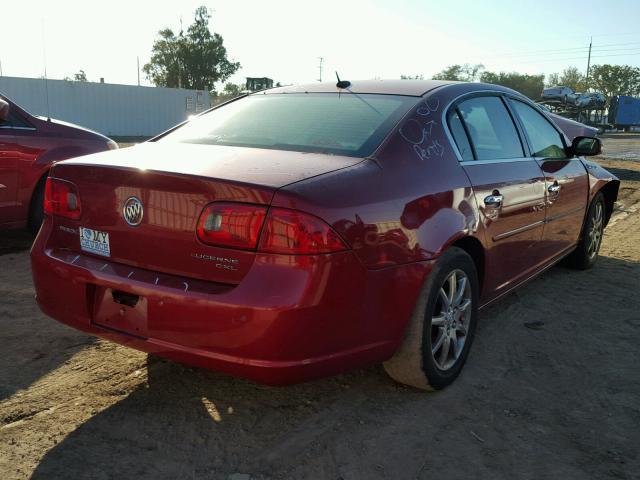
{"x": 114, "y": 110}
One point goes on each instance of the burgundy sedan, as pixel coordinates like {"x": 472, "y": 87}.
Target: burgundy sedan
{"x": 29, "y": 146}
{"x": 303, "y": 231}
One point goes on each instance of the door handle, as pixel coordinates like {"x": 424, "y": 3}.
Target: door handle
{"x": 555, "y": 188}
{"x": 494, "y": 200}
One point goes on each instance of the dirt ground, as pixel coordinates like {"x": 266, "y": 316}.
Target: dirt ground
{"x": 558, "y": 402}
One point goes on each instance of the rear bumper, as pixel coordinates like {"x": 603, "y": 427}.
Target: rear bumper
{"x": 291, "y": 319}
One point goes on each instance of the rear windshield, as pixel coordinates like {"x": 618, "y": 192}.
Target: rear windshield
{"x": 342, "y": 124}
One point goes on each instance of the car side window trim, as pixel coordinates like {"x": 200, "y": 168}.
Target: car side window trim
{"x": 453, "y": 107}
{"x": 501, "y": 160}
{"x": 526, "y": 149}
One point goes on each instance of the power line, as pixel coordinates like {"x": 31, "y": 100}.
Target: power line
{"x": 547, "y": 60}
{"x": 560, "y": 50}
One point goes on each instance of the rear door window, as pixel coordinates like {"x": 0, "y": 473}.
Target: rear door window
{"x": 491, "y": 128}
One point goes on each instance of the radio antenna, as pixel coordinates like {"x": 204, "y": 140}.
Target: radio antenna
{"x": 46, "y": 80}
{"x": 342, "y": 83}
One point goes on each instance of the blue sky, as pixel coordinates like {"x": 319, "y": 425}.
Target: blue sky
{"x": 283, "y": 39}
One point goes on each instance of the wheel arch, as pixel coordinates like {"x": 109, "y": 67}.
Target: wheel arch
{"x": 41, "y": 180}
{"x": 610, "y": 192}
{"x": 474, "y": 248}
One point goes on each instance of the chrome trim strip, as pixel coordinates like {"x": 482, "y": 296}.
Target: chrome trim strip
{"x": 531, "y": 226}
{"x": 9, "y": 127}
{"x": 501, "y": 160}
{"x": 565, "y": 214}
{"x": 510, "y": 233}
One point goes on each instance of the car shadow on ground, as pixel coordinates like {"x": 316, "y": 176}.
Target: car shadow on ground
{"x": 548, "y": 391}
{"x": 24, "y": 363}
{"x": 31, "y": 344}
{"x": 12, "y": 241}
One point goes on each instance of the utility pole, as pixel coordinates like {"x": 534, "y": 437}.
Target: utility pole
{"x": 138, "y": 63}
{"x": 320, "y": 68}
{"x": 588, "y": 63}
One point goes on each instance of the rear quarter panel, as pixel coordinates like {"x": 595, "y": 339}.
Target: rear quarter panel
{"x": 406, "y": 203}
{"x": 398, "y": 210}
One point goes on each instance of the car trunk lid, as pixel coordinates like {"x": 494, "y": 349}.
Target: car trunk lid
{"x": 174, "y": 183}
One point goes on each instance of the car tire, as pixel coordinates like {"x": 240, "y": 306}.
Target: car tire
{"x": 586, "y": 252}
{"x": 420, "y": 361}
{"x": 36, "y": 209}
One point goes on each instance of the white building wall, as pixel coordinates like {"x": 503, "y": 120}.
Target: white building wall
{"x": 113, "y": 110}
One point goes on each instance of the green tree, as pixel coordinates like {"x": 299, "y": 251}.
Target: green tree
{"x": 615, "y": 79}
{"x": 460, "y": 73}
{"x": 570, "y": 77}
{"x": 233, "y": 90}
{"x": 80, "y": 76}
{"x": 77, "y": 77}
{"x": 197, "y": 59}
{"x": 529, "y": 85}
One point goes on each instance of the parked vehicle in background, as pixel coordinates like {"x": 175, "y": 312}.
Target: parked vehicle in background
{"x": 306, "y": 230}
{"x": 543, "y": 107}
{"x": 624, "y": 112}
{"x": 557, "y": 93}
{"x": 29, "y": 146}
{"x": 587, "y": 100}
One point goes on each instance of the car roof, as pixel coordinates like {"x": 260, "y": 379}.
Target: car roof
{"x": 414, "y": 88}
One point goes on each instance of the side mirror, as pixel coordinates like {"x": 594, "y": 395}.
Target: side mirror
{"x": 4, "y": 110}
{"x": 586, "y": 146}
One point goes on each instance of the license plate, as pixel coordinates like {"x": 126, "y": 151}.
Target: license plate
{"x": 95, "y": 241}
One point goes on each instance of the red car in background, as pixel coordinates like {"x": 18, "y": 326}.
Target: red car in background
{"x": 29, "y": 146}
{"x": 307, "y": 230}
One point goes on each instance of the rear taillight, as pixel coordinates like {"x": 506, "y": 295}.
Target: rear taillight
{"x": 231, "y": 225}
{"x": 61, "y": 198}
{"x": 294, "y": 232}
{"x": 237, "y": 225}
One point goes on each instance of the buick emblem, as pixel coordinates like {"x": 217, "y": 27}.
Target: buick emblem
{"x": 133, "y": 211}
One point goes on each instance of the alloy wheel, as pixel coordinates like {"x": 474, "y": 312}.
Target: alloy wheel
{"x": 595, "y": 232}
{"x": 451, "y": 318}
